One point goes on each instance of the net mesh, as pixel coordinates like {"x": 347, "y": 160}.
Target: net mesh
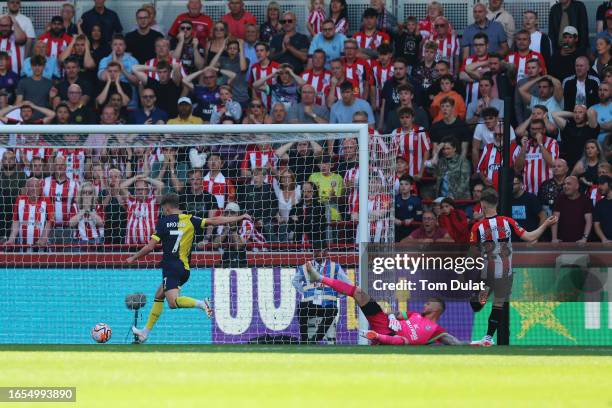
{"x": 76, "y": 205}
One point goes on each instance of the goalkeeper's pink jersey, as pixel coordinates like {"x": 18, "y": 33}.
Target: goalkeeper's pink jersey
{"x": 420, "y": 330}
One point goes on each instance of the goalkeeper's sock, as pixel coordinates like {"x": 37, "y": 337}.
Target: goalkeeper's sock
{"x": 494, "y": 319}
{"x": 156, "y": 311}
{"x": 391, "y": 340}
{"x": 186, "y": 302}
{"x": 339, "y": 286}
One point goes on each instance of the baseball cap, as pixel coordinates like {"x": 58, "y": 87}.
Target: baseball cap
{"x": 439, "y": 200}
{"x": 609, "y": 13}
{"x": 570, "y": 30}
{"x": 184, "y": 99}
{"x": 234, "y": 207}
{"x": 57, "y": 19}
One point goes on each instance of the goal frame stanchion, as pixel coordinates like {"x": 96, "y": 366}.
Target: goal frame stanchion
{"x": 358, "y": 129}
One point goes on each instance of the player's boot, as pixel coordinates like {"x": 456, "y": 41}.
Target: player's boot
{"x": 487, "y": 341}
{"x": 207, "y": 307}
{"x": 313, "y": 275}
{"x": 369, "y": 334}
{"x": 140, "y": 334}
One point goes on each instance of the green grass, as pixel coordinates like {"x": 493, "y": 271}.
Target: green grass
{"x": 293, "y": 376}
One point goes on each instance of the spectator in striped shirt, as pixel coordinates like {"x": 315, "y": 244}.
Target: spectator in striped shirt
{"x": 32, "y": 217}
{"x": 13, "y": 41}
{"x": 87, "y": 216}
{"x": 142, "y": 207}
{"x": 56, "y": 39}
{"x": 537, "y": 155}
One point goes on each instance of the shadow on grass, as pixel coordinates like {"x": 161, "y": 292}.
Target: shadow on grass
{"x": 302, "y": 349}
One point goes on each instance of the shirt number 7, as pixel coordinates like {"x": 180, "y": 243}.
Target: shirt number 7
{"x": 179, "y": 235}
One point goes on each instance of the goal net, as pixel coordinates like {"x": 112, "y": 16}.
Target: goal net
{"x": 76, "y": 201}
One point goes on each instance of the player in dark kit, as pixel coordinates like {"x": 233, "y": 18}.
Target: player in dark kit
{"x": 175, "y": 231}
{"x": 494, "y": 234}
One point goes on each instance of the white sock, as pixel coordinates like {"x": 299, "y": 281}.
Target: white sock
{"x": 145, "y": 330}
{"x": 200, "y": 303}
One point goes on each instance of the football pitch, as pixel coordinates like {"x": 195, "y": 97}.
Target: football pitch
{"x": 310, "y": 376}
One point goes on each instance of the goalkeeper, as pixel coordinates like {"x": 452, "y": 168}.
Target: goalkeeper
{"x": 175, "y": 231}
{"x": 407, "y": 328}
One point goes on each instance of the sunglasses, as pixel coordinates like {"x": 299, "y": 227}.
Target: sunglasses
{"x": 187, "y": 28}
{"x": 286, "y": 21}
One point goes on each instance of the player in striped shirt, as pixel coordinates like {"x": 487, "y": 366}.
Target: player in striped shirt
{"x": 12, "y": 41}
{"x": 370, "y": 38}
{"x": 56, "y": 38}
{"x": 412, "y": 142}
{"x": 494, "y": 235}
{"x": 537, "y": 155}
{"x": 263, "y": 68}
{"x": 32, "y": 217}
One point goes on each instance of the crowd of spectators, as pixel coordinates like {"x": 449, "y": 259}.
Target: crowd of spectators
{"x": 442, "y": 97}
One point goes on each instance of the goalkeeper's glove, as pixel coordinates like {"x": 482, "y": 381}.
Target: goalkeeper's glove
{"x": 394, "y": 324}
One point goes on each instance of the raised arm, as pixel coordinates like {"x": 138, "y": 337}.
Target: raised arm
{"x": 222, "y": 220}
{"x": 560, "y": 118}
{"x": 524, "y": 90}
{"x": 49, "y": 115}
{"x": 536, "y": 233}
{"x": 149, "y": 247}
{"x": 188, "y": 80}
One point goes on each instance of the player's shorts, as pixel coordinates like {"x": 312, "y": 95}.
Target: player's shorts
{"x": 501, "y": 288}
{"x": 379, "y": 321}
{"x": 174, "y": 277}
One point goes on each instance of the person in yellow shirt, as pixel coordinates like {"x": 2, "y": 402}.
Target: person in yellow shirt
{"x": 329, "y": 184}
{"x": 185, "y": 108}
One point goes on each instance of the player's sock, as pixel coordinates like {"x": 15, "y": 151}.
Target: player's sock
{"x": 494, "y": 319}
{"x": 185, "y": 302}
{"x": 156, "y": 311}
{"x": 339, "y": 286}
{"x": 391, "y": 340}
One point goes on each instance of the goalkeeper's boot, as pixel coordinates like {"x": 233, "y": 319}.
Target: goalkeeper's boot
{"x": 313, "y": 275}
{"x": 207, "y": 307}
{"x": 141, "y": 335}
{"x": 369, "y": 334}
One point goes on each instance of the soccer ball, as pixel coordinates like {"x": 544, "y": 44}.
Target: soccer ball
{"x": 101, "y": 333}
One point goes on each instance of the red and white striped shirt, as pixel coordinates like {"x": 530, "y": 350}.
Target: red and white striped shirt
{"x": 536, "y": 169}
{"x": 25, "y": 155}
{"x": 75, "y": 162}
{"x": 448, "y": 49}
{"x": 217, "y": 186}
{"x": 319, "y": 81}
{"x": 471, "y": 89}
{"x": 412, "y": 146}
{"x": 351, "y": 182}
{"x": 255, "y": 158}
{"x": 55, "y": 45}
{"x": 258, "y": 72}
{"x": 152, "y": 63}
{"x": 521, "y": 62}
{"x": 32, "y": 218}
{"x": 86, "y": 229}
{"x": 378, "y": 147}
{"x": 372, "y": 41}
{"x": 380, "y": 74}
{"x": 377, "y": 204}
{"x": 594, "y": 194}
{"x": 141, "y": 219}
{"x": 316, "y": 18}
{"x": 16, "y": 53}
{"x": 359, "y": 70}
{"x": 249, "y": 233}
{"x": 491, "y": 161}
{"x": 338, "y": 92}
{"x": 62, "y": 196}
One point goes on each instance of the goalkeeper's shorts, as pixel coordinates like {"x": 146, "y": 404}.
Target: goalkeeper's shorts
{"x": 379, "y": 321}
